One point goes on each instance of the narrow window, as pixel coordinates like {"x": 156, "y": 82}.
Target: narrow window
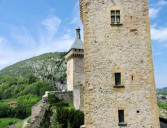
{"x": 115, "y": 17}
{"x": 118, "y": 16}
{"x": 117, "y": 78}
{"x": 112, "y": 17}
{"x": 132, "y": 77}
{"x": 121, "y": 116}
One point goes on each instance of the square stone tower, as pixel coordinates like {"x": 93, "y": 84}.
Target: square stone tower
{"x": 119, "y": 77}
{"x": 75, "y": 69}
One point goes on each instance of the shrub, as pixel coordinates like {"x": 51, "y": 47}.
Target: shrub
{"x": 29, "y": 121}
{"x": 31, "y": 78}
{"x": 53, "y": 99}
{"x": 64, "y": 115}
{"x": 70, "y": 118}
{"x": 4, "y": 109}
{"x": 61, "y": 104}
{"x": 162, "y": 105}
{"x": 10, "y": 123}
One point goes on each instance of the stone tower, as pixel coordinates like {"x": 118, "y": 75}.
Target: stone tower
{"x": 75, "y": 68}
{"x": 119, "y": 77}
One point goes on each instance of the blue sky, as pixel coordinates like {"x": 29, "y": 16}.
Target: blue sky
{"x": 32, "y": 27}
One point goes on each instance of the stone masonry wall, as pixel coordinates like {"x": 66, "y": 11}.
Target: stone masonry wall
{"x": 127, "y": 49}
{"x": 78, "y": 79}
{"x": 70, "y": 69}
{"x": 41, "y": 108}
{"x": 65, "y": 96}
{"x": 75, "y": 74}
{"x": 82, "y": 98}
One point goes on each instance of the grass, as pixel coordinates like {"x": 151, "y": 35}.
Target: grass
{"x": 5, "y": 102}
{"x": 4, "y": 122}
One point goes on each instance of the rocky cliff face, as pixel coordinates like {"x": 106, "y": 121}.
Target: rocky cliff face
{"x": 50, "y": 67}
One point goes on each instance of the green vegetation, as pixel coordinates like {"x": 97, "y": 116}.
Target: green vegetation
{"x": 29, "y": 121}
{"x": 162, "y": 105}
{"x": 48, "y": 67}
{"x": 161, "y": 92}
{"x": 4, "y": 122}
{"x": 25, "y": 82}
{"x": 25, "y": 91}
{"x": 64, "y": 115}
{"x": 19, "y": 125}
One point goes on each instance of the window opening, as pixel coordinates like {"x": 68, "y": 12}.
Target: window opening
{"x": 121, "y": 116}
{"x": 115, "y": 17}
{"x": 117, "y": 78}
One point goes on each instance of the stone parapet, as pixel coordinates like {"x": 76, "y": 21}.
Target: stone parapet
{"x": 66, "y": 96}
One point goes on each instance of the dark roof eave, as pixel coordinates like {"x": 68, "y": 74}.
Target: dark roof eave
{"x": 72, "y": 49}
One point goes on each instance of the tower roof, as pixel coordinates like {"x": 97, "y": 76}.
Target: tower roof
{"x": 78, "y": 44}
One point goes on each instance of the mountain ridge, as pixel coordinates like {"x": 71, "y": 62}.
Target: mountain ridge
{"x": 49, "y": 66}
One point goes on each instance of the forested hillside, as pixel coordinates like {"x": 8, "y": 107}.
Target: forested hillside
{"x": 23, "y": 84}
{"x": 49, "y": 67}
{"x": 162, "y": 91}
{"x": 19, "y": 94}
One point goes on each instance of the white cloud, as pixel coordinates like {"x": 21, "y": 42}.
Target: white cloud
{"x": 159, "y": 33}
{"x": 51, "y": 24}
{"x": 154, "y": 12}
{"x": 2, "y": 40}
{"x": 165, "y": 45}
{"x": 156, "y": 8}
{"x": 23, "y": 37}
{"x": 46, "y": 41}
{"x": 162, "y": 3}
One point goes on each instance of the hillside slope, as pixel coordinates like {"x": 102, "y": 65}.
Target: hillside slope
{"x": 50, "y": 67}
{"x": 165, "y": 88}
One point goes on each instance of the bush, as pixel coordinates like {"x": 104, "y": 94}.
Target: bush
{"x": 38, "y": 88}
{"x": 53, "y": 99}
{"x": 70, "y": 118}
{"x": 10, "y": 123}
{"x": 162, "y": 105}
{"x": 4, "y": 109}
{"x": 24, "y": 106}
{"x": 61, "y": 104}
{"x": 64, "y": 115}
{"x": 31, "y": 78}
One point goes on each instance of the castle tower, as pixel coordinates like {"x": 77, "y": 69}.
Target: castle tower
{"x": 119, "y": 77}
{"x": 75, "y": 68}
